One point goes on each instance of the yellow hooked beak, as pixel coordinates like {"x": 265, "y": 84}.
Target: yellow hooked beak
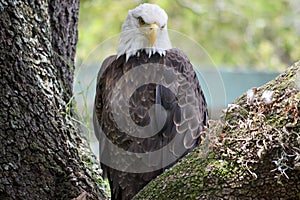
{"x": 152, "y": 33}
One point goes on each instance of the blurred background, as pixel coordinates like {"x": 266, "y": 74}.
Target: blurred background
{"x": 260, "y": 35}
{"x": 246, "y": 43}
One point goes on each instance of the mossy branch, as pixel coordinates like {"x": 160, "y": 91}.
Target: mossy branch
{"x": 252, "y": 152}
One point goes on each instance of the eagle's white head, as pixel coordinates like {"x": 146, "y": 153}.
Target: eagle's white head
{"x": 144, "y": 28}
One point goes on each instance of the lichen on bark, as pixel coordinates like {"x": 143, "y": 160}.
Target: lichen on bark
{"x": 42, "y": 155}
{"x": 253, "y": 152}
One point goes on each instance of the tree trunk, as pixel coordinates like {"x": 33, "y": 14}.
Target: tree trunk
{"x": 252, "y": 153}
{"x": 41, "y": 154}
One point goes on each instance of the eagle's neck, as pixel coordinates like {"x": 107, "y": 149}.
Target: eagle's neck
{"x": 133, "y": 40}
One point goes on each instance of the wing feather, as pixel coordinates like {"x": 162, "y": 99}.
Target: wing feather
{"x": 181, "y": 119}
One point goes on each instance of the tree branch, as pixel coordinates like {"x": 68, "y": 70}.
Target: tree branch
{"x": 253, "y": 152}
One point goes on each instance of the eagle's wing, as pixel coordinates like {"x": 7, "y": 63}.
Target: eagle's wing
{"x": 172, "y": 83}
{"x": 107, "y": 61}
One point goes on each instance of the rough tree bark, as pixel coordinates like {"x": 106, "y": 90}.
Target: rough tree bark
{"x": 41, "y": 154}
{"x": 252, "y": 153}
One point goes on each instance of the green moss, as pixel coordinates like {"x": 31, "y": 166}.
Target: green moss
{"x": 223, "y": 168}
{"x": 241, "y": 156}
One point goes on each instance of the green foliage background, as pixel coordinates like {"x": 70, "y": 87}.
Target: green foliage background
{"x": 246, "y": 34}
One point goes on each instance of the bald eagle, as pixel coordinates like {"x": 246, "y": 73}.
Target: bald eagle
{"x": 149, "y": 108}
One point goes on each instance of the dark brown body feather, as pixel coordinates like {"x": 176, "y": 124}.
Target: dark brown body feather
{"x": 125, "y": 185}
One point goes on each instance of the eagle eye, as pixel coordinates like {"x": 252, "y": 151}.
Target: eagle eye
{"x": 141, "y": 21}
